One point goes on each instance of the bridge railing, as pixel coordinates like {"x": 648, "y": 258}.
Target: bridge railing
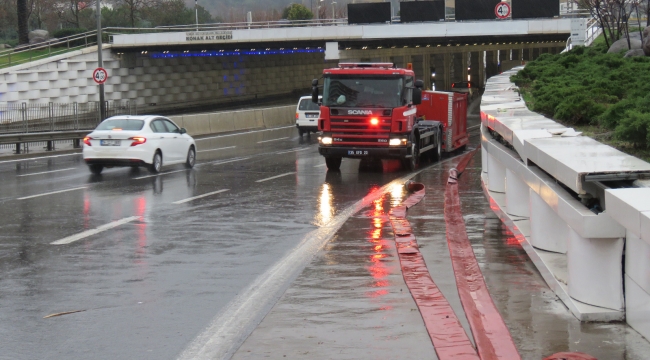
{"x": 30, "y": 52}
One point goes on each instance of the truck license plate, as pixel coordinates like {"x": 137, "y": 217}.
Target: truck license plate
{"x": 357, "y": 152}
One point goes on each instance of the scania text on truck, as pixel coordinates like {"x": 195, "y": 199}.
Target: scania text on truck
{"x": 369, "y": 110}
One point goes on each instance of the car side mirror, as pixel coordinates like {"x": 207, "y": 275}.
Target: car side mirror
{"x": 417, "y": 96}
{"x": 314, "y": 91}
{"x": 183, "y": 131}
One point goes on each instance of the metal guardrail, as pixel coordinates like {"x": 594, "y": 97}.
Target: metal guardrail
{"x": 49, "y": 137}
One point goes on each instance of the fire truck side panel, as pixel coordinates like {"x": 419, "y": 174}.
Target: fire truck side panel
{"x": 450, "y": 109}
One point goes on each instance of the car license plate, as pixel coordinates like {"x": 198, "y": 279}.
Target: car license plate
{"x": 110, "y": 142}
{"x": 357, "y": 152}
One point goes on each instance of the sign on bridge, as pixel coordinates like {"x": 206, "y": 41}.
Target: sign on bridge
{"x": 192, "y": 36}
{"x": 502, "y": 10}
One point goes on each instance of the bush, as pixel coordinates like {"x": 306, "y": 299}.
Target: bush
{"x": 61, "y": 33}
{"x": 634, "y": 127}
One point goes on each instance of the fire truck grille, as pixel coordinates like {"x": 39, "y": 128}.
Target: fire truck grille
{"x": 361, "y": 126}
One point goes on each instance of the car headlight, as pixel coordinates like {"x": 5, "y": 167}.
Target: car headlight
{"x": 397, "y": 142}
{"x": 326, "y": 140}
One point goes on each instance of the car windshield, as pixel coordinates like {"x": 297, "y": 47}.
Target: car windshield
{"x": 122, "y": 124}
{"x": 367, "y": 91}
{"x": 308, "y": 105}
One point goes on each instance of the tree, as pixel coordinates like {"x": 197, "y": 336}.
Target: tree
{"x": 23, "y": 15}
{"x": 612, "y": 16}
{"x": 297, "y": 12}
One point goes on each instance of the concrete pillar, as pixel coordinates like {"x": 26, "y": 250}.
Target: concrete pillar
{"x": 438, "y": 63}
{"x": 474, "y": 68}
{"x": 595, "y": 274}
{"x": 426, "y": 71}
{"x": 447, "y": 72}
{"x": 535, "y": 53}
{"x": 456, "y": 68}
{"x": 418, "y": 68}
{"x": 496, "y": 175}
{"x": 491, "y": 65}
{"x": 547, "y": 230}
{"x": 516, "y": 195}
{"x": 481, "y": 61}
{"x": 465, "y": 65}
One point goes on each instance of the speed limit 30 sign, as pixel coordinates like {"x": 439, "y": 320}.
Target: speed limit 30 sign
{"x": 502, "y": 10}
{"x": 100, "y": 75}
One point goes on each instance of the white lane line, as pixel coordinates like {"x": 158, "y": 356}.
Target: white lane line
{"x": 265, "y": 141}
{"x": 51, "y": 193}
{"x": 225, "y": 161}
{"x": 291, "y": 150}
{"x": 38, "y": 158}
{"x": 223, "y": 148}
{"x": 87, "y": 233}
{"x": 46, "y": 172}
{"x": 275, "y": 177}
{"x": 235, "y": 322}
{"x": 200, "y": 196}
{"x": 160, "y": 174}
{"x": 244, "y": 133}
{"x": 321, "y": 165}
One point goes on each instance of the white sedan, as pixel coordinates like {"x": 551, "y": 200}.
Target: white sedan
{"x": 151, "y": 141}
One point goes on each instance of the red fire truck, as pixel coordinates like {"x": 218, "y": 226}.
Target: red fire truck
{"x": 375, "y": 110}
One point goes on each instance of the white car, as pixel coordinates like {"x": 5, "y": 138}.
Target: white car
{"x": 307, "y": 114}
{"x": 151, "y": 141}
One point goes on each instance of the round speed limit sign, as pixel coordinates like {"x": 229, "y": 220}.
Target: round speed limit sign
{"x": 502, "y": 10}
{"x": 100, "y": 75}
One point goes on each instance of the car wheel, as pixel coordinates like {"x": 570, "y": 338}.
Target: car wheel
{"x": 96, "y": 169}
{"x": 191, "y": 158}
{"x": 156, "y": 164}
{"x": 333, "y": 163}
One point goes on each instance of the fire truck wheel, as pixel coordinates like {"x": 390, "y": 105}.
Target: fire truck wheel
{"x": 333, "y": 163}
{"x": 411, "y": 163}
{"x": 436, "y": 154}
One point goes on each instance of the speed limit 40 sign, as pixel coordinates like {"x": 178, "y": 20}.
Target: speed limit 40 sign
{"x": 100, "y": 75}
{"x": 502, "y": 10}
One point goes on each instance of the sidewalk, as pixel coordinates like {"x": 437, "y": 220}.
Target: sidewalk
{"x": 351, "y": 302}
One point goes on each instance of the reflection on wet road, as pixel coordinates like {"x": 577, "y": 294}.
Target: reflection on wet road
{"x": 149, "y": 284}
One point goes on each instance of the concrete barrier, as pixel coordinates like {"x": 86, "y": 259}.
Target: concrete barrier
{"x": 226, "y": 121}
{"x": 540, "y": 185}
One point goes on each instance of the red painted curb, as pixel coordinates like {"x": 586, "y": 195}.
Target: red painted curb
{"x": 447, "y": 334}
{"x": 492, "y": 337}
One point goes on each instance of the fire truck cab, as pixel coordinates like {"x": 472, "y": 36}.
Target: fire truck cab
{"x": 369, "y": 110}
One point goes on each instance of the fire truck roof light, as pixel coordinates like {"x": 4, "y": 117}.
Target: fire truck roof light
{"x": 366, "y": 65}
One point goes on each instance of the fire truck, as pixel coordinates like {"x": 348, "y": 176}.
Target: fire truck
{"x": 376, "y": 111}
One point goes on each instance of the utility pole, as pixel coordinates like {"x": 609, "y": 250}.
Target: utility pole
{"x": 196, "y": 11}
{"x": 100, "y": 62}
{"x": 333, "y": 10}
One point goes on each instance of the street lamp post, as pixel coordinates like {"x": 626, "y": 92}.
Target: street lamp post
{"x": 100, "y": 63}
{"x": 333, "y": 10}
{"x": 196, "y": 11}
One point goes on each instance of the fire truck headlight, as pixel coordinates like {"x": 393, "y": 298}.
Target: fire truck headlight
{"x": 397, "y": 142}
{"x": 326, "y": 140}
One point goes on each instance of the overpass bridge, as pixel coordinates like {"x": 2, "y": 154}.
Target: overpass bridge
{"x": 174, "y": 68}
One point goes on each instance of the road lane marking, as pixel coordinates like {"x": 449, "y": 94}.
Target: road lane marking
{"x": 46, "y": 172}
{"x": 219, "y": 162}
{"x": 159, "y": 174}
{"x": 321, "y": 165}
{"x": 244, "y": 133}
{"x": 200, "y": 196}
{"x": 265, "y": 141}
{"x": 237, "y": 320}
{"x": 38, "y": 158}
{"x": 275, "y": 177}
{"x": 291, "y": 150}
{"x": 87, "y": 233}
{"x": 223, "y": 148}
{"x": 51, "y": 193}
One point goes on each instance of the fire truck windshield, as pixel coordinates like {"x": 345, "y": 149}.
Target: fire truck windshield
{"x": 363, "y": 91}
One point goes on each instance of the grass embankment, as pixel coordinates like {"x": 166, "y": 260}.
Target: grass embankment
{"x": 23, "y": 57}
{"x": 606, "y": 96}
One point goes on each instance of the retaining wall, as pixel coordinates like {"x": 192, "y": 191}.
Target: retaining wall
{"x": 537, "y": 174}
{"x": 226, "y": 121}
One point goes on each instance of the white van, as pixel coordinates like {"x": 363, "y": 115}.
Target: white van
{"x": 307, "y": 114}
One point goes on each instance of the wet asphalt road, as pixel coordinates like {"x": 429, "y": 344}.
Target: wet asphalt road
{"x": 148, "y": 287}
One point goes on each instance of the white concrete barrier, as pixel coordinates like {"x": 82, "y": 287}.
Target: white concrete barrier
{"x": 543, "y": 179}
